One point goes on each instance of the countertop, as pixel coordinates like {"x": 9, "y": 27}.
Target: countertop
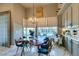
{"x": 76, "y": 38}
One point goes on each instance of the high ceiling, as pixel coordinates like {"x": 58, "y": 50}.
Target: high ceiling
{"x": 30, "y": 5}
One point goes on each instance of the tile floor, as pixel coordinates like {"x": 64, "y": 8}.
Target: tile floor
{"x": 56, "y": 51}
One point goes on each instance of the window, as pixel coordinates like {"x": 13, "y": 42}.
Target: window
{"x": 47, "y": 31}
{"x": 27, "y": 33}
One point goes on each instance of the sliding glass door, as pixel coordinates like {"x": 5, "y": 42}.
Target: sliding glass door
{"x": 5, "y": 29}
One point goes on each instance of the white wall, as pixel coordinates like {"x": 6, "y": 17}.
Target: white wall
{"x": 17, "y": 15}
{"x": 42, "y": 22}
{"x": 49, "y": 12}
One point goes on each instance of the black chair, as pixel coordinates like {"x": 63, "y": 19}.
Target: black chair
{"x": 43, "y": 50}
{"x": 19, "y": 44}
{"x": 45, "y": 47}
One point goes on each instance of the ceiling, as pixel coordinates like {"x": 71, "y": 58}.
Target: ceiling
{"x": 30, "y": 5}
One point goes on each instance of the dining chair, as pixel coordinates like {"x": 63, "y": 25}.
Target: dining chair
{"x": 19, "y": 44}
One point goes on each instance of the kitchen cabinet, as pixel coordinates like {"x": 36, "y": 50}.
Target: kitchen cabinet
{"x": 69, "y": 16}
{"x": 66, "y": 18}
{"x": 59, "y": 17}
{"x": 75, "y": 48}
{"x": 75, "y": 14}
{"x": 63, "y": 20}
{"x": 78, "y": 49}
{"x": 70, "y": 45}
{"x": 66, "y": 43}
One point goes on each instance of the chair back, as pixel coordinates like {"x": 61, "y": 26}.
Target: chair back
{"x": 19, "y": 43}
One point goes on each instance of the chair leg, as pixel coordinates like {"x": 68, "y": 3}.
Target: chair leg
{"x": 22, "y": 51}
{"x": 38, "y": 54}
{"x": 46, "y": 54}
{"x": 17, "y": 50}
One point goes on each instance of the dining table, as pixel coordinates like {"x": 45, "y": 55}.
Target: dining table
{"x": 33, "y": 42}
{"x": 25, "y": 42}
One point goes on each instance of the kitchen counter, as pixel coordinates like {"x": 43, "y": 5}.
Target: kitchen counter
{"x": 72, "y": 43}
{"x": 76, "y": 38}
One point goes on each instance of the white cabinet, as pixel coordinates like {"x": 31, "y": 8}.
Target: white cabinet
{"x": 70, "y": 45}
{"x": 78, "y": 49}
{"x": 63, "y": 20}
{"x": 66, "y": 18}
{"x": 66, "y": 43}
{"x": 69, "y": 16}
{"x": 75, "y": 48}
{"x": 75, "y": 14}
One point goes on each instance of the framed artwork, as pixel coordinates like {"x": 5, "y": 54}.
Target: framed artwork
{"x": 39, "y": 12}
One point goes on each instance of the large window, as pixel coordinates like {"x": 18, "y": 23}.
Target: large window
{"x": 27, "y": 33}
{"x": 47, "y": 31}
{"x": 41, "y": 31}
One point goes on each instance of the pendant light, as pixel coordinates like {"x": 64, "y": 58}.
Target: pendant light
{"x": 34, "y": 21}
